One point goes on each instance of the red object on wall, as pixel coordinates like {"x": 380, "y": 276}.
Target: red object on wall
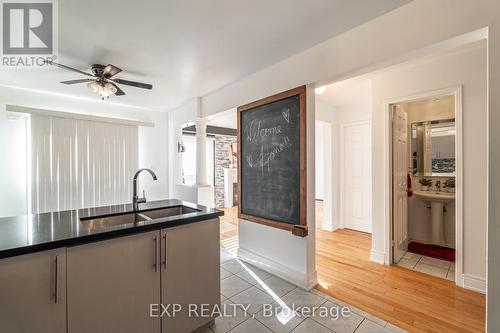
{"x": 409, "y": 190}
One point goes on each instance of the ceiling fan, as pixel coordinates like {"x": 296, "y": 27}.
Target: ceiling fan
{"x": 101, "y": 80}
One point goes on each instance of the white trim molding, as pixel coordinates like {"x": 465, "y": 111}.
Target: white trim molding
{"x": 474, "y": 283}
{"x": 456, "y": 91}
{"x": 378, "y": 257}
{"x": 281, "y": 271}
{"x": 328, "y": 226}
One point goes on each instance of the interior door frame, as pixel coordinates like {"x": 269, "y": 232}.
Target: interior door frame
{"x": 456, "y": 92}
{"x": 342, "y": 169}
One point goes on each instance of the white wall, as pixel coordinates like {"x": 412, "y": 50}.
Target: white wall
{"x": 153, "y": 152}
{"x": 152, "y": 142}
{"x": 466, "y": 67}
{"x": 351, "y": 113}
{"x": 13, "y": 181}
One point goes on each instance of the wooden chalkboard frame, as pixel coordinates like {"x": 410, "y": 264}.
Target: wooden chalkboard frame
{"x": 301, "y": 92}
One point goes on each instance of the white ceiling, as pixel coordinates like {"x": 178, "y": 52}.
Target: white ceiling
{"x": 188, "y": 48}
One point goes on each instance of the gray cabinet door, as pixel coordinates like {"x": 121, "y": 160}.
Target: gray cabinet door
{"x": 190, "y": 272}
{"x": 112, "y": 283}
{"x": 33, "y": 293}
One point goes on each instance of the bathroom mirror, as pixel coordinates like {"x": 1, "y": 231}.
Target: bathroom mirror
{"x": 433, "y": 148}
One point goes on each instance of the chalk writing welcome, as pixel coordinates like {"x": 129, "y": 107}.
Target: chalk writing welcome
{"x": 268, "y": 151}
{"x": 270, "y": 160}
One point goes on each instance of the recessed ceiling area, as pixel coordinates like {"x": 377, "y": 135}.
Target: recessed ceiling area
{"x": 348, "y": 92}
{"x": 187, "y": 48}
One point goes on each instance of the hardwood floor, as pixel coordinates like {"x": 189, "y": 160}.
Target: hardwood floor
{"x": 412, "y": 300}
{"x": 229, "y": 230}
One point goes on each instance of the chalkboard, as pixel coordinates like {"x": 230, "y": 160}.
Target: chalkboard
{"x": 272, "y": 160}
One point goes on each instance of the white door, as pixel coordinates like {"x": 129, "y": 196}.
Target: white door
{"x": 357, "y": 178}
{"x": 399, "y": 185}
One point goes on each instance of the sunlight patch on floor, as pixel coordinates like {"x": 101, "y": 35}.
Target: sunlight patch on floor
{"x": 286, "y": 314}
{"x": 230, "y": 244}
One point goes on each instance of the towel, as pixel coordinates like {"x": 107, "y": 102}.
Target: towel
{"x": 409, "y": 190}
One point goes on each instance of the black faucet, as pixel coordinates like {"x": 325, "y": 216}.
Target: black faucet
{"x": 135, "y": 199}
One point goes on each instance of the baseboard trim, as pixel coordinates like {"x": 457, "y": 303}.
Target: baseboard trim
{"x": 377, "y": 257}
{"x": 279, "y": 270}
{"x": 474, "y": 283}
{"x": 330, "y": 226}
{"x": 327, "y": 226}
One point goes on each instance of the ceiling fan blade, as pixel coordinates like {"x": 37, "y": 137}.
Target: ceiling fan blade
{"x": 76, "y": 81}
{"x": 111, "y": 70}
{"x": 133, "y": 83}
{"x": 50, "y": 62}
{"x": 118, "y": 92}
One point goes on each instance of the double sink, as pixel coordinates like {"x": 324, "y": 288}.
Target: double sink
{"x": 99, "y": 223}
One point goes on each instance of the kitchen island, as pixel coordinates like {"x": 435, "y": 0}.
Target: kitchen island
{"x": 109, "y": 269}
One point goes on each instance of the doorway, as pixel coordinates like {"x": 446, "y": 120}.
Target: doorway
{"x": 223, "y": 127}
{"x": 426, "y": 182}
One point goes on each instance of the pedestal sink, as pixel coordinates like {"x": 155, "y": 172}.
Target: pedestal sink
{"x": 437, "y": 200}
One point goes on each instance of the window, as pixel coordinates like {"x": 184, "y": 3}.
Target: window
{"x": 80, "y": 163}
{"x": 189, "y": 159}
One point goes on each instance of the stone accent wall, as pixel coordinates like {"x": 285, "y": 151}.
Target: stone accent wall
{"x": 222, "y": 143}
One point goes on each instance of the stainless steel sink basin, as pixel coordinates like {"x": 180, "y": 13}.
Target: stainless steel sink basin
{"x": 171, "y": 211}
{"x": 97, "y": 223}
{"x": 109, "y": 221}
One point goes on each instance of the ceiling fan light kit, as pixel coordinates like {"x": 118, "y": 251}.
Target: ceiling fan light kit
{"x": 103, "y": 90}
{"x": 101, "y": 80}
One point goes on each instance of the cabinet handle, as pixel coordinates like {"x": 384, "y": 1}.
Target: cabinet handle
{"x": 56, "y": 294}
{"x": 165, "y": 251}
{"x": 155, "y": 265}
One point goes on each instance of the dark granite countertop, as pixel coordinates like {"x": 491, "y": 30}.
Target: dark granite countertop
{"x": 40, "y": 232}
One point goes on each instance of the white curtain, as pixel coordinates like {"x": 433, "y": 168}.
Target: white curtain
{"x": 81, "y": 163}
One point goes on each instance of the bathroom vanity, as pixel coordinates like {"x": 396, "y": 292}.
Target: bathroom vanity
{"x": 437, "y": 201}
{"x": 109, "y": 269}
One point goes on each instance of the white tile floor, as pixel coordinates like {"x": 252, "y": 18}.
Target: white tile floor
{"x": 244, "y": 284}
{"x": 437, "y": 267}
